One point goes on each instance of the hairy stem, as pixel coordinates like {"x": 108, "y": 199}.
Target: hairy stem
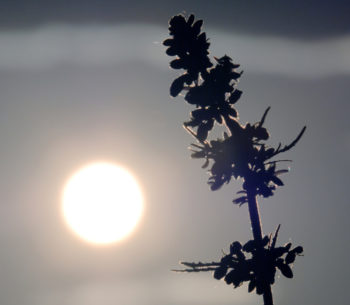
{"x": 257, "y": 233}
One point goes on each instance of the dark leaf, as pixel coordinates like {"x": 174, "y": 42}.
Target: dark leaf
{"x": 235, "y": 247}
{"x": 265, "y": 191}
{"x": 197, "y": 27}
{"x": 259, "y": 288}
{"x": 177, "y": 85}
{"x": 235, "y": 96}
{"x": 277, "y": 181}
{"x": 290, "y": 258}
{"x": 230, "y": 277}
{"x": 177, "y": 64}
{"x": 249, "y": 246}
{"x": 172, "y": 51}
{"x": 198, "y": 113}
{"x": 190, "y": 19}
{"x": 251, "y": 285}
{"x": 202, "y": 38}
{"x": 286, "y": 270}
{"x": 202, "y": 132}
{"x": 232, "y": 112}
{"x": 177, "y": 23}
{"x": 287, "y": 246}
{"x": 168, "y": 42}
{"x": 261, "y": 133}
{"x": 298, "y": 250}
{"x": 215, "y": 185}
{"x": 198, "y": 154}
{"x": 233, "y": 277}
{"x": 210, "y": 124}
{"x": 220, "y": 272}
{"x": 235, "y": 75}
{"x": 240, "y": 200}
{"x": 281, "y": 171}
{"x": 279, "y": 251}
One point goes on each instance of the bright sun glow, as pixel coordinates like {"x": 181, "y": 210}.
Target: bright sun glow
{"x": 102, "y": 203}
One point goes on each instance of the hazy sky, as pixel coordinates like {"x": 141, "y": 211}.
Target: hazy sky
{"x": 82, "y": 81}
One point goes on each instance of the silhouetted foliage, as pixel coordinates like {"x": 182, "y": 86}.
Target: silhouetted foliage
{"x": 241, "y": 152}
{"x": 243, "y": 264}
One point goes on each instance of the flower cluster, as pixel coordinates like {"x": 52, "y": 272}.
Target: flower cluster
{"x": 243, "y": 154}
{"x": 191, "y": 48}
{"x": 253, "y": 263}
{"x": 242, "y": 151}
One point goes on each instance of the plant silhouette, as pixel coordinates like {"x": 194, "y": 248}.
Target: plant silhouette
{"x": 242, "y": 152}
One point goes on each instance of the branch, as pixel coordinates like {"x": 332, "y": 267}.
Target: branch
{"x": 264, "y": 116}
{"x": 291, "y": 145}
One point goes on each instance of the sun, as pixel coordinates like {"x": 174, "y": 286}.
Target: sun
{"x": 102, "y": 203}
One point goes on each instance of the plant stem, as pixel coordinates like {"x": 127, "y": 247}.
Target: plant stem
{"x": 257, "y": 233}
{"x": 254, "y": 217}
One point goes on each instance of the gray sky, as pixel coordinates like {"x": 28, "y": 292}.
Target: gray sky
{"x": 85, "y": 81}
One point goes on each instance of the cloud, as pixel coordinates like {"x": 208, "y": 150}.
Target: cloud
{"x": 95, "y": 45}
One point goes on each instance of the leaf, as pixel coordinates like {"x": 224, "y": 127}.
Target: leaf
{"x": 235, "y": 247}
{"x": 190, "y": 19}
{"x": 210, "y": 124}
{"x": 298, "y": 250}
{"x": 287, "y": 246}
{"x": 259, "y": 288}
{"x": 198, "y": 154}
{"x": 277, "y": 181}
{"x": 235, "y": 96}
{"x": 278, "y": 252}
{"x": 252, "y": 285}
{"x": 177, "y": 64}
{"x": 215, "y": 185}
{"x": 197, "y": 27}
{"x": 240, "y": 200}
{"x": 220, "y": 272}
{"x": 233, "y": 277}
{"x": 232, "y": 112}
{"x": 235, "y": 75}
{"x": 281, "y": 171}
{"x": 286, "y": 270}
{"x": 177, "y": 23}
{"x": 178, "y": 84}
{"x": 290, "y": 258}
{"x": 202, "y": 132}
{"x": 198, "y": 113}
{"x": 261, "y": 133}
{"x": 230, "y": 277}
{"x": 249, "y": 246}
{"x": 168, "y": 42}
{"x": 202, "y": 38}
{"x": 172, "y": 51}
